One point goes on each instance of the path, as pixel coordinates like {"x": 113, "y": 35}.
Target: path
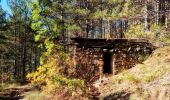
{"x": 14, "y": 93}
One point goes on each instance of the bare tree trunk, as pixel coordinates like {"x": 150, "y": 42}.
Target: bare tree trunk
{"x": 24, "y": 62}
{"x": 146, "y": 17}
{"x": 31, "y": 56}
{"x": 1, "y": 69}
{"x": 157, "y": 13}
{"x": 35, "y": 58}
{"x": 100, "y": 28}
{"x": 15, "y": 55}
{"x": 87, "y": 28}
{"x": 166, "y": 21}
{"x": 166, "y": 14}
{"x": 101, "y": 20}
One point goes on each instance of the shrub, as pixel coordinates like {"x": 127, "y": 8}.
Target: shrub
{"x": 155, "y": 33}
{"x": 51, "y": 74}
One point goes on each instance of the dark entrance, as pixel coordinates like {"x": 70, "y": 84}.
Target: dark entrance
{"x": 107, "y": 60}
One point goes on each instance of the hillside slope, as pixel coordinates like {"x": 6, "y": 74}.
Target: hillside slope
{"x": 147, "y": 81}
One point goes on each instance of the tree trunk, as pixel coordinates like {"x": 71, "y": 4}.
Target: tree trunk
{"x": 24, "y": 64}
{"x": 157, "y": 13}
{"x": 146, "y": 17}
{"x": 15, "y": 56}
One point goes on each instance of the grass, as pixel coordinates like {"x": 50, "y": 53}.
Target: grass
{"x": 8, "y": 85}
{"x": 155, "y": 67}
{"x": 35, "y": 95}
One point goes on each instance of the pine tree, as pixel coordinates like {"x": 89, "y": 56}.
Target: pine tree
{"x": 25, "y": 53}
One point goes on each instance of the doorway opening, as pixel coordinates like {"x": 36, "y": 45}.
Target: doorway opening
{"x": 107, "y": 60}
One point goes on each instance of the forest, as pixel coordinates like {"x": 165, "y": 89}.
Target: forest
{"x": 62, "y": 50}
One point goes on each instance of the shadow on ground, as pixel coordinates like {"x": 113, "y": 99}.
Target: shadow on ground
{"x": 118, "y": 96}
{"x": 14, "y": 93}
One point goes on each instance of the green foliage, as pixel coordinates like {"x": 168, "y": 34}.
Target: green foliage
{"x": 82, "y": 11}
{"x": 135, "y": 32}
{"x": 100, "y": 14}
{"x": 122, "y": 9}
{"x": 161, "y": 33}
{"x": 50, "y": 74}
{"x": 155, "y": 33}
{"x": 132, "y": 78}
{"x": 47, "y": 22}
{"x": 3, "y": 31}
{"x": 70, "y": 83}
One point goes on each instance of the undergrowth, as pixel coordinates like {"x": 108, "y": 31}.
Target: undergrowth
{"x": 156, "y": 33}
{"x": 52, "y": 75}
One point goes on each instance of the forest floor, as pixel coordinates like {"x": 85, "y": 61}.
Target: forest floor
{"x": 147, "y": 81}
{"x": 15, "y": 93}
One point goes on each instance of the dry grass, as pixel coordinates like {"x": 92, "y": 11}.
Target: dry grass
{"x": 9, "y": 85}
{"x": 133, "y": 80}
{"x": 34, "y": 95}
